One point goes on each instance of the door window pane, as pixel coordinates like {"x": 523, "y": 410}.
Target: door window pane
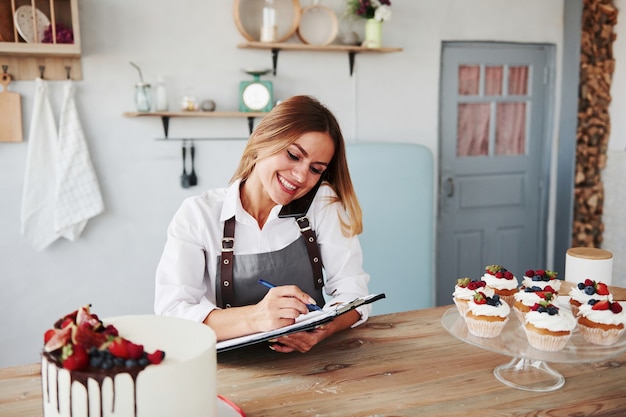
{"x": 518, "y": 81}
{"x": 473, "y": 129}
{"x": 511, "y": 128}
{"x": 469, "y": 80}
{"x": 493, "y": 81}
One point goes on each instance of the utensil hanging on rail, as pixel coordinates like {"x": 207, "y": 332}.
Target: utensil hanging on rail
{"x": 10, "y": 112}
{"x": 193, "y": 179}
{"x": 184, "y": 177}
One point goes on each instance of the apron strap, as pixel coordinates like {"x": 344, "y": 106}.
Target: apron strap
{"x": 226, "y": 266}
{"x": 314, "y": 251}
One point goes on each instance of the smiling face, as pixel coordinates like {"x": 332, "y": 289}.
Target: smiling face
{"x": 289, "y": 174}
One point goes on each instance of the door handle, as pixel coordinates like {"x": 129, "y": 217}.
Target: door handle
{"x": 449, "y": 187}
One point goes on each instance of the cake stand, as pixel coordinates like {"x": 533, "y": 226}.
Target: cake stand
{"x": 529, "y": 370}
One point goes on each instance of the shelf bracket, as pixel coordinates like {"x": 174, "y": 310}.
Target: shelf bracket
{"x": 166, "y": 124}
{"x": 351, "y": 55}
{"x": 274, "y": 59}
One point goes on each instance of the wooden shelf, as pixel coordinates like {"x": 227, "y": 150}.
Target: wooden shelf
{"x": 29, "y": 60}
{"x": 166, "y": 115}
{"x": 352, "y": 50}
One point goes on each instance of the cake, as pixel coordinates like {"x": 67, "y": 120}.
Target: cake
{"x": 601, "y": 322}
{"x": 541, "y": 278}
{"x": 527, "y": 297}
{"x": 129, "y": 366}
{"x": 547, "y": 327}
{"x": 486, "y": 316}
{"x": 587, "y": 290}
{"x": 464, "y": 291}
{"x": 503, "y": 282}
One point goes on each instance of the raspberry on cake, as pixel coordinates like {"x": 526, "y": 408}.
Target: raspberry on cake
{"x": 601, "y": 322}
{"x": 587, "y": 290}
{"x": 547, "y": 327}
{"x": 464, "y": 291}
{"x": 502, "y": 281}
{"x": 117, "y": 367}
{"x": 541, "y": 278}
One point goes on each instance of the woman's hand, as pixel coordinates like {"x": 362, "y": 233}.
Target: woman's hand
{"x": 280, "y": 307}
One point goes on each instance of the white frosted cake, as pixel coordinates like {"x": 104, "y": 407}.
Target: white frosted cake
{"x": 182, "y": 384}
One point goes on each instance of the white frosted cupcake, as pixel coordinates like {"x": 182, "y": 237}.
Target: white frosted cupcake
{"x": 541, "y": 278}
{"x": 547, "y": 327}
{"x": 587, "y": 290}
{"x": 464, "y": 291}
{"x": 527, "y": 297}
{"x": 486, "y": 316}
{"x": 502, "y": 281}
{"x": 601, "y": 322}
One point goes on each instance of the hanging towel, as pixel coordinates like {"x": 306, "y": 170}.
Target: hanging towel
{"x": 39, "y": 193}
{"x": 78, "y": 193}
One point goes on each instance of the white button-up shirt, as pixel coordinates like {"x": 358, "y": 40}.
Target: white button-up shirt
{"x": 185, "y": 276}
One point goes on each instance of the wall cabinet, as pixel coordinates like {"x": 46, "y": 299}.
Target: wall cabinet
{"x": 40, "y": 37}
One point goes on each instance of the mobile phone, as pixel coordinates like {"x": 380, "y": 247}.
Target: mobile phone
{"x": 299, "y": 207}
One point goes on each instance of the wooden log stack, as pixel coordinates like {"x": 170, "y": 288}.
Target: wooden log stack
{"x": 596, "y": 72}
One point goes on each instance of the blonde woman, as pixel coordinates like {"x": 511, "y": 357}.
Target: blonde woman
{"x": 289, "y": 211}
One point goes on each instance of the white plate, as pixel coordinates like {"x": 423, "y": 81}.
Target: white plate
{"x": 25, "y": 25}
{"x": 226, "y": 408}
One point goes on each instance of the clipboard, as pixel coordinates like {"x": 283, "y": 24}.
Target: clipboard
{"x": 305, "y": 322}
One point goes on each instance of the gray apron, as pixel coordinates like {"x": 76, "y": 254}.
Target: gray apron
{"x": 291, "y": 265}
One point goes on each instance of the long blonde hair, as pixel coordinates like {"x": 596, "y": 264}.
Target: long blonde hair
{"x": 287, "y": 122}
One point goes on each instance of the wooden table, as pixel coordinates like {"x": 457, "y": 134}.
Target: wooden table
{"x": 403, "y": 364}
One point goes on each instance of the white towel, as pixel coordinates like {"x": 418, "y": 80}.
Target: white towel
{"x": 39, "y": 194}
{"x": 78, "y": 193}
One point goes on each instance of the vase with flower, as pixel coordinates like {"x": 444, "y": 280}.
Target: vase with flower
{"x": 375, "y": 12}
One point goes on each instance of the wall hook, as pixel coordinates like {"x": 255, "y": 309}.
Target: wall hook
{"x": 68, "y": 69}
{"x": 42, "y": 68}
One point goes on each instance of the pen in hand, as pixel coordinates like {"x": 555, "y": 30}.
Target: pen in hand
{"x": 311, "y": 307}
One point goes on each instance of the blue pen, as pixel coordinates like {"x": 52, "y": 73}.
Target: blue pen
{"x": 311, "y": 307}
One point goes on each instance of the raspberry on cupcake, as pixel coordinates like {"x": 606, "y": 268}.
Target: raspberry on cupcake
{"x": 502, "y": 281}
{"x": 547, "y": 327}
{"x": 464, "y": 291}
{"x": 527, "y": 297}
{"x": 541, "y": 278}
{"x": 601, "y": 322}
{"x": 588, "y": 290}
{"x": 486, "y": 316}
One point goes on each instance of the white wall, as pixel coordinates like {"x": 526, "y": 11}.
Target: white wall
{"x": 391, "y": 97}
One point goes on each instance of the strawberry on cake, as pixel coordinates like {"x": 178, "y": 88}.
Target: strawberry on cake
{"x": 541, "y": 278}
{"x": 587, "y": 290}
{"x": 502, "y": 281}
{"x": 601, "y": 322}
{"x": 527, "y": 297}
{"x": 464, "y": 291}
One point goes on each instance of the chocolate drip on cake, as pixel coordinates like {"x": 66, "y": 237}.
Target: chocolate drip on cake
{"x": 96, "y": 374}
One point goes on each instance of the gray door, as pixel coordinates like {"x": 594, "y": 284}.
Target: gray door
{"x": 494, "y": 160}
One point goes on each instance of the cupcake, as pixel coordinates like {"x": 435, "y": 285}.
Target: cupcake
{"x": 527, "y": 297}
{"x": 541, "y": 278}
{"x": 585, "y": 291}
{"x": 502, "y": 281}
{"x": 547, "y": 327}
{"x": 486, "y": 316}
{"x": 601, "y": 322}
{"x": 464, "y": 291}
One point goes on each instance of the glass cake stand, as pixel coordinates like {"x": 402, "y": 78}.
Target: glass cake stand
{"x": 528, "y": 370}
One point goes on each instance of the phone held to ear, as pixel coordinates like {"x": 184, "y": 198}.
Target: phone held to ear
{"x": 299, "y": 207}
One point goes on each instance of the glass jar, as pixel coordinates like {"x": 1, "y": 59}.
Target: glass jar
{"x": 143, "y": 97}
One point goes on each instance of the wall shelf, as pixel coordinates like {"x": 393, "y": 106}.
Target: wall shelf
{"x": 165, "y": 117}
{"x": 352, "y": 50}
{"x": 27, "y": 60}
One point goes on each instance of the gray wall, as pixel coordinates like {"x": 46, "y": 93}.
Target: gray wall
{"x": 391, "y": 97}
